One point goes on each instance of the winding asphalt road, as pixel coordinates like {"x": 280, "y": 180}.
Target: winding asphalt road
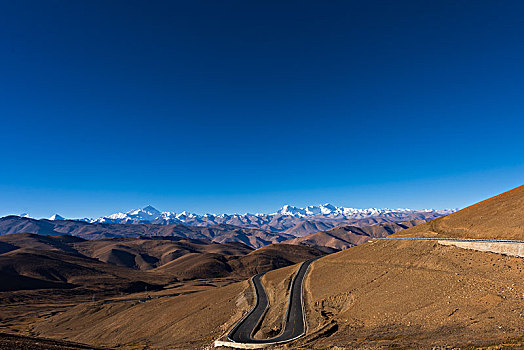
{"x": 295, "y": 325}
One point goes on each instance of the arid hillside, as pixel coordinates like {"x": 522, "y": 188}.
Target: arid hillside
{"x": 36, "y": 262}
{"x": 344, "y": 237}
{"x": 213, "y": 265}
{"x": 148, "y": 254}
{"x": 32, "y": 261}
{"x": 10, "y": 341}
{"x": 399, "y": 293}
{"x": 499, "y": 217}
{"x": 187, "y": 321}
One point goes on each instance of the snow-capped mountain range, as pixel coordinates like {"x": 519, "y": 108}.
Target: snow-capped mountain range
{"x": 297, "y": 221}
{"x": 150, "y": 214}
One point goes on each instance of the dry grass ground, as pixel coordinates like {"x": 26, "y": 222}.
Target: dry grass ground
{"x": 10, "y": 342}
{"x": 402, "y": 293}
{"x": 184, "y": 322}
{"x": 201, "y": 311}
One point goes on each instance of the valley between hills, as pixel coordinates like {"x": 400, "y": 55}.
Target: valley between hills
{"x": 187, "y": 287}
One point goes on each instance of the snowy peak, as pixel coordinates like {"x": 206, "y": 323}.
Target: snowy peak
{"x": 328, "y": 208}
{"x": 56, "y": 217}
{"x": 148, "y": 214}
{"x": 144, "y": 212}
{"x": 151, "y": 210}
{"x": 291, "y": 210}
{"x": 310, "y": 210}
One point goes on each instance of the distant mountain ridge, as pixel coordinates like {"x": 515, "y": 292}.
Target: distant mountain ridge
{"x": 216, "y": 233}
{"x": 288, "y": 219}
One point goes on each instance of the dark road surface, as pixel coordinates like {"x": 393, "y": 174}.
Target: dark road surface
{"x": 295, "y": 325}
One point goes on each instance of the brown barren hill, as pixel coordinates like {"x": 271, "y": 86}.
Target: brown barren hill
{"x": 499, "y": 217}
{"x": 148, "y": 253}
{"x": 264, "y": 259}
{"x": 392, "y": 293}
{"x": 273, "y": 256}
{"x": 33, "y": 261}
{"x": 344, "y": 237}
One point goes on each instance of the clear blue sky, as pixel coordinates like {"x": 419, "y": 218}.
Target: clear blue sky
{"x": 243, "y": 106}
